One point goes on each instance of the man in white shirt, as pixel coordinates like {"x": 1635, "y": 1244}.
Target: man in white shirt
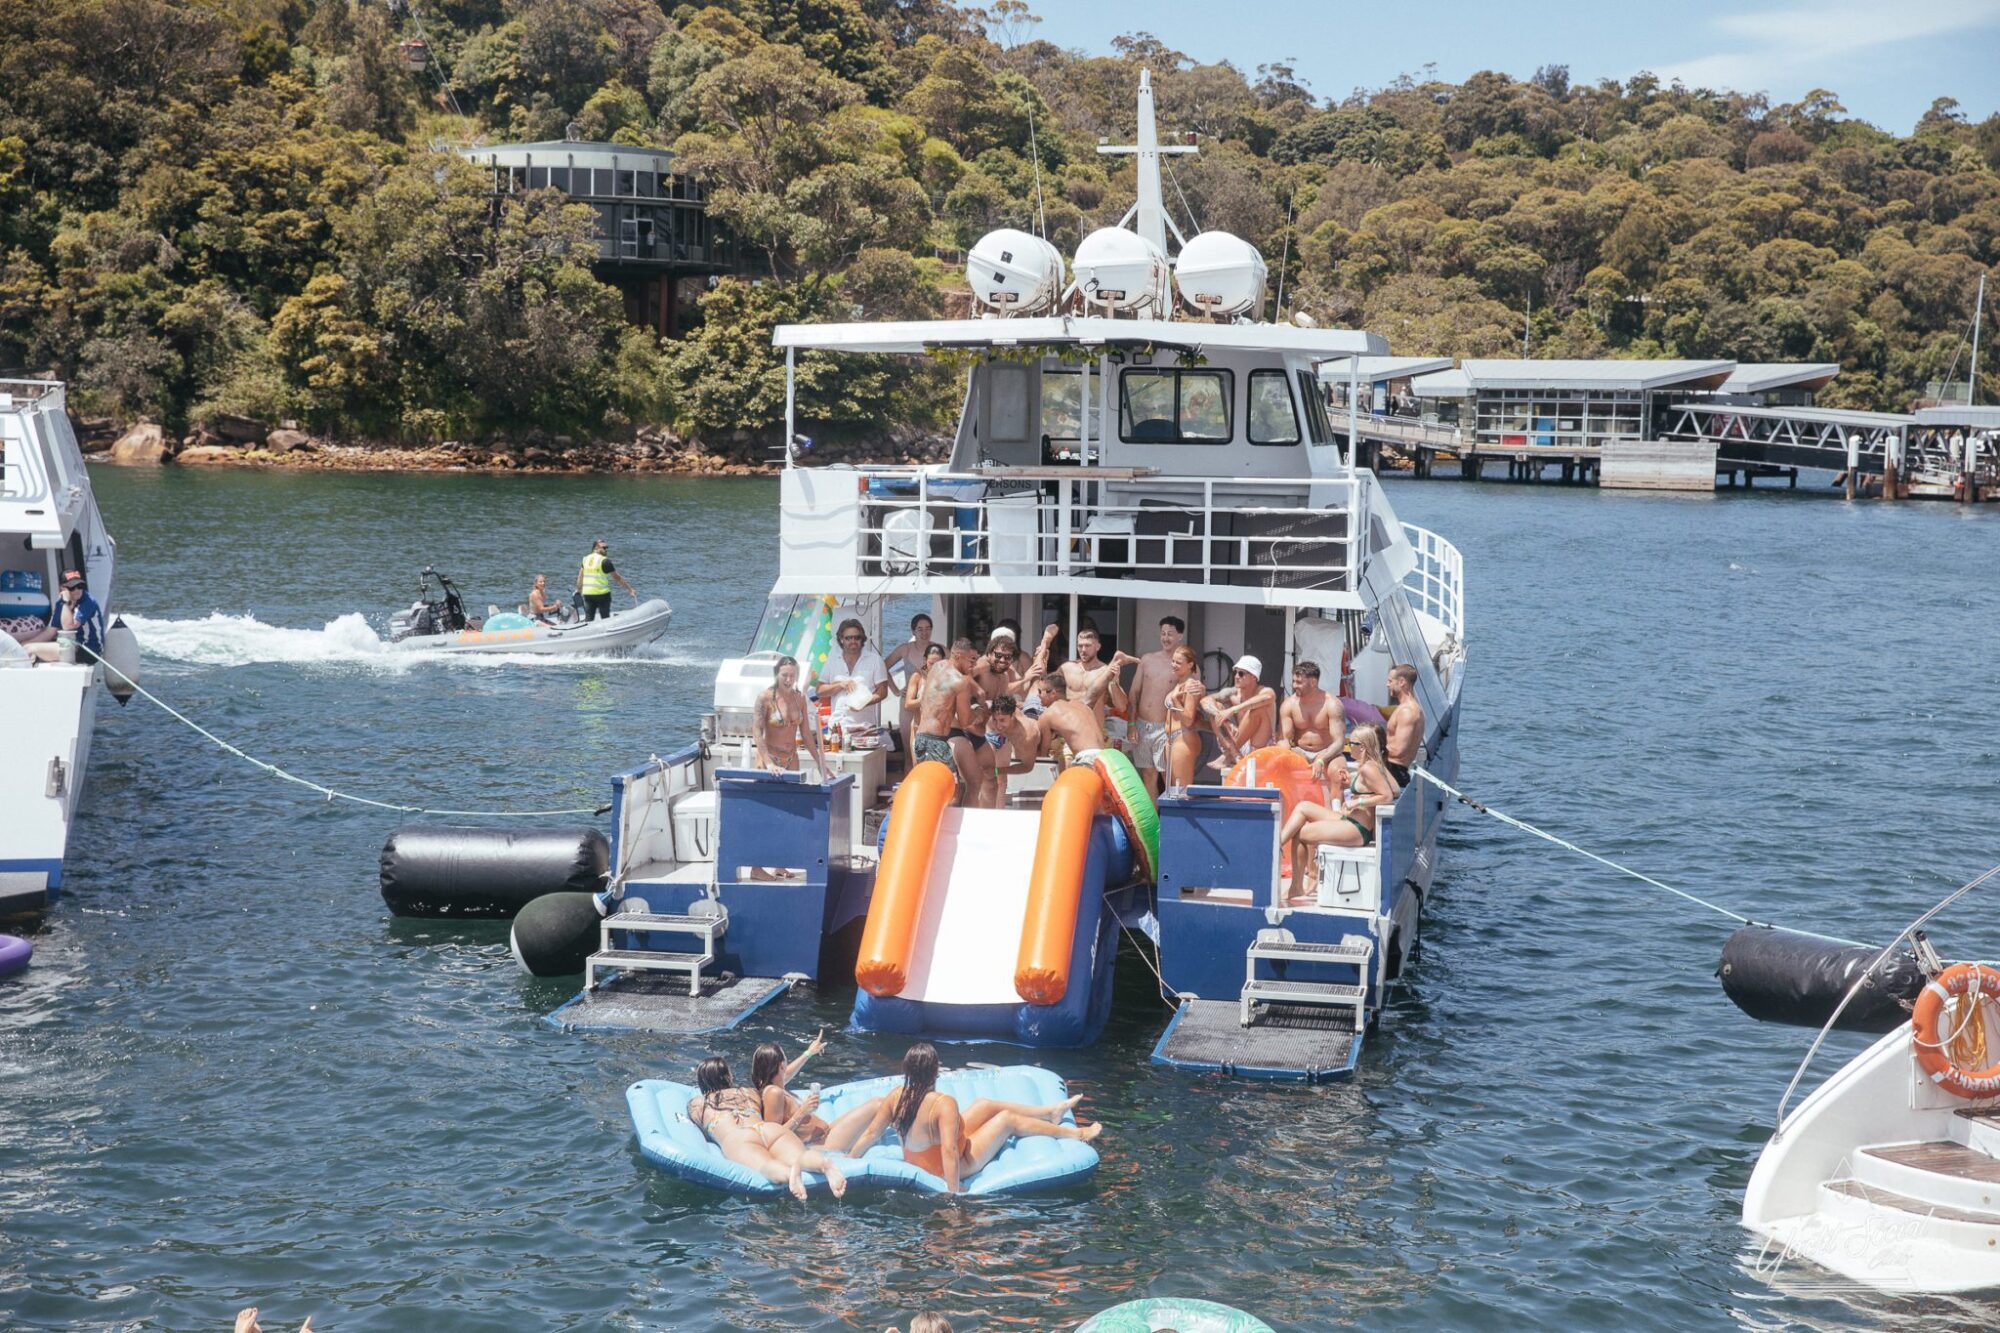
{"x": 858, "y": 682}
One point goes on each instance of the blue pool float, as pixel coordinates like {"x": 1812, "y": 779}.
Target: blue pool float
{"x": 670, "y": 1141}
{"x": 1179, "y": 1313}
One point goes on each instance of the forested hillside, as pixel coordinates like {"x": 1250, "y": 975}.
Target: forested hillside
{"x": 248, "y": 206}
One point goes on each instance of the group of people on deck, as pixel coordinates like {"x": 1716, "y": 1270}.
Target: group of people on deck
{"x": 779, "y": 1135}
{"x": 990, "y": 715}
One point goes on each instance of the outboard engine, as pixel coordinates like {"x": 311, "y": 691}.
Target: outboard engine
{"x": 442, "y": 613}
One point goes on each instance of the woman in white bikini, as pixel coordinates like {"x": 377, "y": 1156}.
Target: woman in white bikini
{"x": 734, "y": 1118}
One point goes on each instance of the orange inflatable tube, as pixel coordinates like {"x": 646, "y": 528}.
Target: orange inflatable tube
{"x": 883, "y": 967}
{"x": 1055, "y": 885}
{"x": 1286, "y": 769}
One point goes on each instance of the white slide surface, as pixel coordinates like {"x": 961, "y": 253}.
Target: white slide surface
{"x": 969, "y": 936}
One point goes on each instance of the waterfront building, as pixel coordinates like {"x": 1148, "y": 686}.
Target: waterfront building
{"x": 655, "y": 240}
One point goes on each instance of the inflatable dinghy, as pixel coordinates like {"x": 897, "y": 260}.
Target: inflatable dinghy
{"x": 670, "y": 1141}
{"x": 510, "y": 633}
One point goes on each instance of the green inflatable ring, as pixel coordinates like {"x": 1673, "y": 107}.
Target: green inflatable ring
{"x": 1178, "y": 1313}
{"x": 1125, "y": 796}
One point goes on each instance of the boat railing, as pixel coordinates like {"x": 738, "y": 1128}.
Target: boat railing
{"x": 1436, "y": 587}
{"x": 916, "y": 523}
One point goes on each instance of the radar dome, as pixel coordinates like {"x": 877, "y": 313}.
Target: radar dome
{"x": 1014, "y": 272}
{"x": 1221, "y": 275}
{"x": 1119, "y": 270}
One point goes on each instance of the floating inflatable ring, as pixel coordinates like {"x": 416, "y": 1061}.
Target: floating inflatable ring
{"x": 1928, "y": 1016}
{"x": 1125, "y": 796}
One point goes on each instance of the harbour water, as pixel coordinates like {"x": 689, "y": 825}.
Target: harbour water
{"x": 231, "y": 1078}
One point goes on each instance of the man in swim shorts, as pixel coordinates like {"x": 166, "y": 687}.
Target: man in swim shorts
{"x": 1244, "y": 714}
{"x": 1065, "y": 728}
{"x": 1311, "y": 722}
{"x": 1406, "y": 723}
{"x": 950, "y": 718}
{"x": 1150, "y": 685}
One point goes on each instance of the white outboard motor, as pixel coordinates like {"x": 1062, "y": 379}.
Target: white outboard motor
{"x": 1121, "y": 272}
{"x": 1221, "y": 276}
{"x": 1014, "y": 273}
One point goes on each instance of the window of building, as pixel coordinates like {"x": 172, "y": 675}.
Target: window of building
{"x": 648, "y": 185}
{"x": 538, "y": 178}
{"x": 625, "y": 185}
{"x": 1174, "y": 406}
{"x": 602, "y": 182}
{"x": 559, "y": 178}
{"x": 1272, "y": 419}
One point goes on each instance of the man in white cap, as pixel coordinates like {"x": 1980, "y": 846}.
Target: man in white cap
{"x": 1244, "y": 714}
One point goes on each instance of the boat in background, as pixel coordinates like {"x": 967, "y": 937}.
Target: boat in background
{"x": 49, "y": 523}
{"x": 437, "y": 623}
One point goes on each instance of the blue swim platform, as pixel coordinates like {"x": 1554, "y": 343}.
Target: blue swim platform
{"x": 672, "y": 1142}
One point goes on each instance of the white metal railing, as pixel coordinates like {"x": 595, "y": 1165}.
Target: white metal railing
{"x": 1436, "y": 587}
{"x": 1206, "y": 530}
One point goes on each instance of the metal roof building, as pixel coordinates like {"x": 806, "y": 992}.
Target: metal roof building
{"x": 655, "y": 242}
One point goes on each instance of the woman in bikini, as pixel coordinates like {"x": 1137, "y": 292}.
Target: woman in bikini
{"x": 1362, "y": 784}
{"x": 954, "y": 1144}
{"x": 770, "y": 1071}
{"x": 1183, "y": 706}
{"x": 734, "y": 1118}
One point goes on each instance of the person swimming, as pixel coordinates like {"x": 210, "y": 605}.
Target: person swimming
{"x": 734, "y": 1118}
{"x": 956, "y": 1144}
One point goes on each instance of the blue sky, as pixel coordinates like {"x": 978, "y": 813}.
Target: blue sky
{"x": 1886, "y": 60}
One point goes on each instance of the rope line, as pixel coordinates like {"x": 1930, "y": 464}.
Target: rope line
{"x": 330, "y": 793}
{"x": 1545, "y": 836}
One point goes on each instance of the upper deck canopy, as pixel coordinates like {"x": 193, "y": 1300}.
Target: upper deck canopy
{"x": 1479, "y": 375}
{"x": 910, "y": 336}
{"x": 1381, "y": 369}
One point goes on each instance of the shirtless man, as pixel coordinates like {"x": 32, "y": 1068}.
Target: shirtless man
{"x": 781, "y": 727}
{"x": 1244, "y": 715}
{"x": 950, "y": 718}
{"x": 1312, "y": 721}
{"x": 1014, "y": 742}
{"x": 1406, "y": 723}
{"x": 1064, "y": 724}
{"x": 1150, "y": 686}
{"x": 1092, "y": 683}
{"x": 541, "y": 606}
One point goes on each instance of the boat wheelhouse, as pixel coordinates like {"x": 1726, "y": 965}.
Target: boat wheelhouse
{"x": 1106, "y": 472}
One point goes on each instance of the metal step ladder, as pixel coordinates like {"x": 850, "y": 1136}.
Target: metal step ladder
{"x": 1279, "y": 945}
{"x": 705, "y": 920}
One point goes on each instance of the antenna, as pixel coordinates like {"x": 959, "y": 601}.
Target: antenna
{"x": 1035, "y": 150}
{"x": 1978, "y": 318}
{"x": 1284, "y": 259}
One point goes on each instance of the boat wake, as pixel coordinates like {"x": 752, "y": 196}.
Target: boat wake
{"x": 220, "y": 639}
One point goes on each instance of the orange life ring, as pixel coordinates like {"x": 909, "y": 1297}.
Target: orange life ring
{"x": 1928, "y": 1014}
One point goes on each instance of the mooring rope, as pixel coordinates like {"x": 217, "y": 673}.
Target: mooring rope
{"x": 1546, "y": 836}
{"x": 330, "y": 793}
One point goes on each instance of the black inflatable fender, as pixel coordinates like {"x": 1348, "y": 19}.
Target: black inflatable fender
{"x": 1783, "y": 976}
{"x": 453, "y": 871}
{"x": 557, "y": 932}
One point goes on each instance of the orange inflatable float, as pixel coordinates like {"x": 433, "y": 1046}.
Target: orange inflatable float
{"x": 1935, "y": 1051}
{"x": 1055, "y": 885}
{"x": 1290, "y": 772}
{"x": 883, "y": 967}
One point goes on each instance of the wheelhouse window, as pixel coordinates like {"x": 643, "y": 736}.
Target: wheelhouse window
{"x": 1316, "y": 423}
{"x": 1175, "y": 406}
{"x": 1062, "y": 416}
{"x": 1272, "y": 420}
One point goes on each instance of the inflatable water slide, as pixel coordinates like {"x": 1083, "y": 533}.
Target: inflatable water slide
{"x": 991, "y": 924}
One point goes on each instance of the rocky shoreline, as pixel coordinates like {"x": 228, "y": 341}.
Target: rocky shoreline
{"x": 241, "y": 442}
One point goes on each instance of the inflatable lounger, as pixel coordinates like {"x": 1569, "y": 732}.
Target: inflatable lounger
{"x": 670, "y": 1141}
{"x": 1178, "y": 1313}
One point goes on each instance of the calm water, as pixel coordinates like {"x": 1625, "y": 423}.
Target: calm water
{"x": 231, "y": 1078}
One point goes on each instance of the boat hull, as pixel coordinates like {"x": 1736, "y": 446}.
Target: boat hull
{"x": 53, "y": 707}
{"x": 621, "y": 633}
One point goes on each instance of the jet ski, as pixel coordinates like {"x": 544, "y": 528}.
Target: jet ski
{"x": 437, "y": 623}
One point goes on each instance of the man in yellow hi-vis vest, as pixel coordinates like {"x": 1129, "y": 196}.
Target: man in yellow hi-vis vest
{"x": 593, "y": 581}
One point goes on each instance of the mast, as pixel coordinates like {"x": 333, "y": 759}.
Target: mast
{"x": 1149, "y": 214}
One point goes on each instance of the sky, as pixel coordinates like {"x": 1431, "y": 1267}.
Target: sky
{"x": 1886, "y": 60}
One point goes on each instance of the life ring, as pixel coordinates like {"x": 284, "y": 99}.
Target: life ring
{"x": 1927, "y": 1015}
